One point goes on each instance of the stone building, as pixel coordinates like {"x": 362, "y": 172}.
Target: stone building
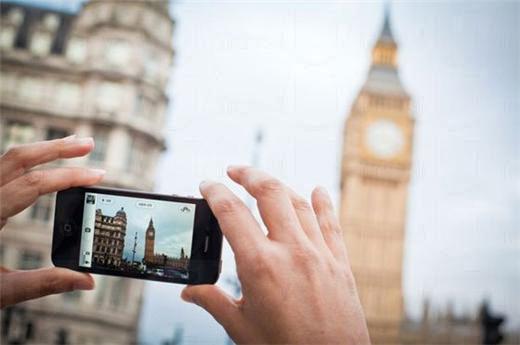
{"x": 109, "y": 239}
{"x": 375, "y": 174}
{"x": 165, "y": 261}
{"x": 100, "y": 72}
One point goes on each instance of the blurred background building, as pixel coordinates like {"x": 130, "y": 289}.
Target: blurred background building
{"x": 100, "y": 72}
{"x": 375, "y": 174}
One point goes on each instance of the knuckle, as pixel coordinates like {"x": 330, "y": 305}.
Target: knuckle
{"x": 14, "y": 153}
{"x": 300, "y": 204}
{"x": 330, "y": 226}
{"x": 261, "y": 264}
{"x": 34, "y": 178}
{"x": 323, "y": 204}
{"x": 267, "y": 186}
{"x": 55, "y": 284}
{"x": 306, "y": 254}
{"x": 350, "y": 280}
{"x": 226, "y": 205}
{"x": 336, "y": 269}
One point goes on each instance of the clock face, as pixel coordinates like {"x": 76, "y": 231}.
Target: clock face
{"x": 384, "y": 138}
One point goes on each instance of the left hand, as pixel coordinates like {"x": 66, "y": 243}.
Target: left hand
{"x": 19, "y": 188}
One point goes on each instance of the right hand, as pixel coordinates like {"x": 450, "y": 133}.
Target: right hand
{"x": 297, "y": 283}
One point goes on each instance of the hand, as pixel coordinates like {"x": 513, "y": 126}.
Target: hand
{"x": 297, "y": 284}
{"x": 19, "y": 188}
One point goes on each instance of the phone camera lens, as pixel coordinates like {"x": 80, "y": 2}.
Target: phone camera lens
{"x": 67, "y": 228}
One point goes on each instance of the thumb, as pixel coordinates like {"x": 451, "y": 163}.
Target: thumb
{"x": 224, "y": 309}
{"x": 19, "y": 286}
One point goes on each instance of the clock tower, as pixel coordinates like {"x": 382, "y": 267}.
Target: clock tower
{"x": 149, "y": 242}
{"x": 376, "y": 162}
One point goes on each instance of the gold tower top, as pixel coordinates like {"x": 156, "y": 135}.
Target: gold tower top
{"x": 385, "y": 49}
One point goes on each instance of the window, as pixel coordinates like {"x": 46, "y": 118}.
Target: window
{"x": 42, "y": 208}
{"x": 15, "y": 133}
{"x": 7, "y": 83}
{"x": 51, "y": 22}
{"x": 100, "y": 148}
{"x": 151, "y": 65}
{"x": 109, "y": 96}
{"x": 68, "y": 95}
{"x": 117, "y": 53}
{"x": 118, "y": 293}
{"x": 29, "y": 260}
{"x": 126, "y": 15}
{"x": 76, "y": 50}
{"x": 144, "y": 107}
{"x": 56, "y": 133}
{"x": 136, "y": 156}
{"x": 72, "y": 296}
{"x": 7, "y": 37}
{"x": 41, "y": 43}
{"x": 139, "y": 105}
{"x": 16, "y": 16}
{"x": 150, "y": 21}
{"x": 101, "y": 290}
{"x": 62, "y": 337}
{"x": 30, "y": 89}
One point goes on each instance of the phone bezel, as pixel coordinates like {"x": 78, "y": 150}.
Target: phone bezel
{"x": 204, "y": 267}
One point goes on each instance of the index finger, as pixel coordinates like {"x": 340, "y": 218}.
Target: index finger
{"x": 19, "y": 159}
{"x": 19, "y": 286}
{"x": 236, "y": 221}
{"x": 273, "y": 200}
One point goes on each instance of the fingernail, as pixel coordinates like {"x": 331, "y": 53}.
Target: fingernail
{"x": 85, "y": 141}
{"x": 322, "y": 190}
{"x": 84, "y": 285}
{"x": 235, "y": 167}
{"x": 187, "y": 297}
{"x": 97, "y": 172}
{"x": 205, "y": 183}
{"x": 70, "y": 137}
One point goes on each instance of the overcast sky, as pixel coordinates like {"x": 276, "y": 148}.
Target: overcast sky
{"x": 292, "y": 68}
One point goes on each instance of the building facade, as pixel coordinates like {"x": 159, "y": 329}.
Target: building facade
{"x": 100, "y": 72}
{"x": 109, "y": 239}
{"x": 376, "y": 161}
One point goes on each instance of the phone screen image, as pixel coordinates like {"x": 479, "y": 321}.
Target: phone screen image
{"x": 136, "y": 235}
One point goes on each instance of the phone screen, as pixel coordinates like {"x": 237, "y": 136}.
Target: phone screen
{"x": 136, "y": 235}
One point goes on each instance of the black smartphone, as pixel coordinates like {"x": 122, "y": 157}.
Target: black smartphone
{"x": 137, "y": 235}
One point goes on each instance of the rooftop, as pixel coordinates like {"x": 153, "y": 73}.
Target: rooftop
{"x": 27, "y": 18}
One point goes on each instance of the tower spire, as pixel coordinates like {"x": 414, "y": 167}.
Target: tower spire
{"x": 384, "y": 53}
{"x": 386, "y": 31}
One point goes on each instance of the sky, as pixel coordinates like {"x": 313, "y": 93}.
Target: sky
{"x": 173, "y": 228}
{"x": 292, "y": 70}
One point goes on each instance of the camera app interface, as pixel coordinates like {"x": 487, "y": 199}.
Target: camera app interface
{"x": 134, "y": 235}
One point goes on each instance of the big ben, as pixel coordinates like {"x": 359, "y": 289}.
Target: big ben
{"x": 375, "y": 174}
{"x": 149, "y": 243}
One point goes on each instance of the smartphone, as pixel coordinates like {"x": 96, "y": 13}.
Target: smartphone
{"x": 136, "y": 235}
